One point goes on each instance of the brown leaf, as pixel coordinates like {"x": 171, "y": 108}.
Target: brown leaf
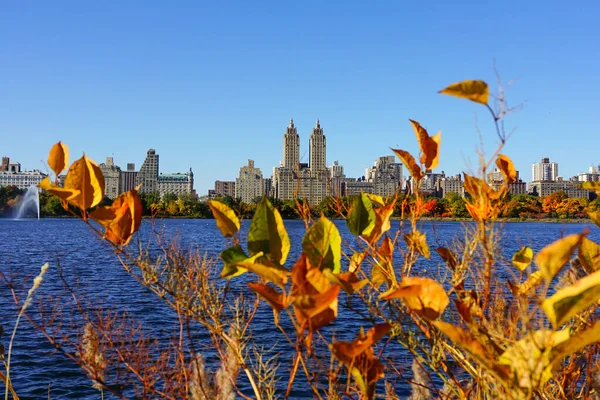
{"x": 409, "y": 162}
{"x": 58, "y": 159}
{"x": 474, "y": 90}
{"x": 507, "y": 168}
{"x": 448, "y": 256}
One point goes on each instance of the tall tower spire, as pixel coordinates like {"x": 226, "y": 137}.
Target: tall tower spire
{"x": 317, "y": 149}
{"x": 291, "y": 147}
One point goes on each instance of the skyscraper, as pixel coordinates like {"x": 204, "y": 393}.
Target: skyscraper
{"x": 291, "y": 147}
{"x": 249, "y": 185}
{"x": 317, "y": 149}
{"x": 147, "y": 176}
{"x": 544, "y": 170}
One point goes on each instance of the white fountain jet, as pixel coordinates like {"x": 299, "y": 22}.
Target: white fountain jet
{"x": 31, "y": 198}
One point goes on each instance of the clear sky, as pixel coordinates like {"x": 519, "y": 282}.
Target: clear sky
{"x": 209, "y": 84}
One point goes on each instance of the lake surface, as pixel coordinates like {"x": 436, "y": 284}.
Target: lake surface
{"x": 27, "y": 244}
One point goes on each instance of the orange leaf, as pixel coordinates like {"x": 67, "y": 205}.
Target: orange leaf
{"x": 122, "y": 219}
{"x": 422, "y": 295}
{"x": 269, "y": 294}
{"x": 85, "y": 176}
{"x": 418, "y": 242}
{"x": 409, "y": 162}
{"x": 507, "y": 168}
{"x": 61, "y": 193}
{"x": 347, "y": 351}
{"x": 429, "y": 145}
{"x": 474, "y": 90}
{"x": 58, "y": 159}
{"x": 316, "y": 311}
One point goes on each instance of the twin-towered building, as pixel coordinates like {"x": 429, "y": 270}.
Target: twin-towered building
{"x": 312, "y": 181}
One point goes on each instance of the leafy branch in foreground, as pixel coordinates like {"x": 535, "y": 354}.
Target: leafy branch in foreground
{"x": 478, "y": 333}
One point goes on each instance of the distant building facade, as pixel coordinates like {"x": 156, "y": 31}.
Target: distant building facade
{"x": 177, "y": 184}
{"x": 128, "y": 178}
{"x": 224, "y": 188}
{"x": 496, "y": 180}
{"x": 385, "y": 175}
{"x": 112, "y": 178}
{"x": 451, "y": 184}
{"x": 11, "y": 175}
{"x": 544, "y": 170}
{"x": 571, "y": 188}
{"x": 249, "y": 185}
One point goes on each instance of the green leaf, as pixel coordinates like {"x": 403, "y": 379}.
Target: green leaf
{"x": 573, "y": 299}
{"x": 361, "y": 217}
{"x": 227, "y": 222}
{"x": 230, "y": 257}
{"x": 322, "y": 244}
{"x": 522, "y": 258}
{"x": 267, "y": 233}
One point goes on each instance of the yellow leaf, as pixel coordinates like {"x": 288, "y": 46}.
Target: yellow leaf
{"x": 529, "y": 358}
{"x": 267, "y": 270}
{"x": 409, "y": 162}
{"x": 595, "y": 217}
{"x": 589, "y": 255}
{"x": 474, "y": 90}
{"x": 552, "y": 258}
{"x": 429, "y": 146}
{"x": 418, "y": 241}
{"x": 58, "y": 159}
{"x": 422, "y": 295}
{"x": 475, "y": 349}
{"x": 227, "y": 222}
{"x": 531, "y": 282}
{"x": 522, "y": 258}
{"x": 592, "y": 186}
{"x": 573, "y": 299}
{"x": 375, "y": 199}
{"x": 507, "y": 168}
{"x": 85, "y": 176}
{"x": 575, "y": 343}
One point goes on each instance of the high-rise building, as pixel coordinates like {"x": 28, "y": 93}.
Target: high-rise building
{"x": 336, "y": 179}
{"x": 386, "y": 176}
{"x": 293, "y": 179}
{"x": 291, "y": 147}
{"x": 452, "y": 185}
{"x": 317, "y": 149}
{"x": 112, "y": 178}
{"x": 249, "y": 185}
{"x": 544, "y": 170}
{"x": 128, "y": 178}
{"x": 148, "y": 173}
{"x": 496, "y": 180}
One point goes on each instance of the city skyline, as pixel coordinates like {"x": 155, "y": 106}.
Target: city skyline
{"x": 211, "y": 85}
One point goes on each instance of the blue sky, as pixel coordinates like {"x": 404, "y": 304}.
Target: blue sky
{"x": 209, "y": 84}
